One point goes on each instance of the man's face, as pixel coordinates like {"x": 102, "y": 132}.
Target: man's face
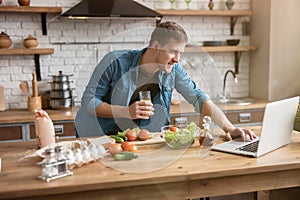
{"x": 169, "y": 54}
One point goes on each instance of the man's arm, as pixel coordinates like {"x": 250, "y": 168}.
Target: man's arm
{"x": 218, "y": 117}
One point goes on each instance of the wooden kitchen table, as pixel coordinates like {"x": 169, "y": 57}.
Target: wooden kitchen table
{"x": 187, "y": 177}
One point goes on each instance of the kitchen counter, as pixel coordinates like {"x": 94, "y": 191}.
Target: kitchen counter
{"x": 23, "y": 116}
{"x": 189, "y": 176}
{"x": 185, "y": 107}
{"x": 18, "y": 124}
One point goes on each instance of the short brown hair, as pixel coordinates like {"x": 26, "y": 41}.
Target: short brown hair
{"x": 166, "y": 31}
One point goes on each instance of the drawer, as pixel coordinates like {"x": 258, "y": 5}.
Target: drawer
{"x": 10, "y": 133}
{"x": 246, "y": 117}
{"x": 191, "y": 117}
{"x": 236, "y": 117}
{"x": 62, "y": 129}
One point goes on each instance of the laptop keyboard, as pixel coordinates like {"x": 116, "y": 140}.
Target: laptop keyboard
{"x": 251, "y": 147}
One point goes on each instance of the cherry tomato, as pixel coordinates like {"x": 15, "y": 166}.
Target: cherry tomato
{"x": 144, "y": 135}
{"x": 173, "y": 129}
{"x": 131, "y": 135}
{"x": 128, "y": 146}
{"x": 132, "y": 148}
{"x": 115, "y": 148}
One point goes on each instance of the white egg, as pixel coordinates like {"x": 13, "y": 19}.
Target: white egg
{"x": 70, "y": 157}
{"x": 77, "y": 156}
{"x": 101, "y": 151}
{"x": 93, "y": 151}
{"x": 86, "y": 154}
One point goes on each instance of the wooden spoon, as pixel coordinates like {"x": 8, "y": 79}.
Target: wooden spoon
{"x": 25, "y": 88}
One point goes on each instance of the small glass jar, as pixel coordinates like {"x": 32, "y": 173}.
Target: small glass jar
{"x": 49, "y": 167}
{"x": 61, "y": 159}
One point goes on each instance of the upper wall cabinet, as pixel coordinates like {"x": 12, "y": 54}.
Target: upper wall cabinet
{"x": 33, "y": 9}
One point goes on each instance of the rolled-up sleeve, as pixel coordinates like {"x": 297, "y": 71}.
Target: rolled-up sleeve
{"x": 188, "y": 89}
{"x": 99, "y": 84}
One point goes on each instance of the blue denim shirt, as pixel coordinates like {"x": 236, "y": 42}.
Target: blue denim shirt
{"x": 114, "y": 80}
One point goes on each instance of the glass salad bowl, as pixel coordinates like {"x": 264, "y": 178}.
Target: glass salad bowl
{"x": 180, "y": 137}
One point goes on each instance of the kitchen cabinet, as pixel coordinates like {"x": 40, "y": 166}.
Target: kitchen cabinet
{"x": 191, "y": 117}
{"x": 18, "y": 125}
{"x": 26, "y": 131}
{"x": 11, "y": 132}
{"x": 62, "y": 129}
{"x": 275, "y": 68}
{"x": 245, "y": 115}
{"x": 251, "y": 117}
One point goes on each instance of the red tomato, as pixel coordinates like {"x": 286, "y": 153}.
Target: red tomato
{"x": 131, "y": 135}
{"x": 144, "y": 134}
{"x": 173, "y": 128}
{"x": 132, "y": 148}
{"x": 115, "y": 148}
{"x": 124, "y": 145}
{"x": 128, "y": 146}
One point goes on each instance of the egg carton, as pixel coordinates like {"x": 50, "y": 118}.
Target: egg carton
{"x": 84, "y": 155}
{"x": 78, "y": 152}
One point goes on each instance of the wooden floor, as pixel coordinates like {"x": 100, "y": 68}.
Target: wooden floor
{"x": 284, "y": 194}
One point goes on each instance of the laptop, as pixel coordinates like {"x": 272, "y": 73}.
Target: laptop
{"x": 277, "y": 127}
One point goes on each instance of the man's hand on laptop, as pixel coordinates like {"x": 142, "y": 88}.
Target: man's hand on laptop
{"x": 241, "y": 133}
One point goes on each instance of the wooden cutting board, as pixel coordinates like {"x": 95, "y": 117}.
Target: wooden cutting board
{"x": 2, "y": 99}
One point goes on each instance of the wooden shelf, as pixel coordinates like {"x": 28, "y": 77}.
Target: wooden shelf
{"x": 219, "y": 49}
{"x": 33, "y": 9}
{"x": 36, "y": 52}
{"x": 229, "y": 13}
{"x": 26, "y": 51}
{"x": 233, "y": 14}
{"x": 237, "y": 50}
{"x": 30, "y": 9}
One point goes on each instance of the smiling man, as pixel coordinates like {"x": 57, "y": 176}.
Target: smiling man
{"x": 111, "y": 103}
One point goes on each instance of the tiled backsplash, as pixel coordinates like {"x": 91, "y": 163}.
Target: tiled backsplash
{"x": 80, "y": 44}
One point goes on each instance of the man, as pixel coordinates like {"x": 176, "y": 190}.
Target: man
{"x": 110, "y": 102}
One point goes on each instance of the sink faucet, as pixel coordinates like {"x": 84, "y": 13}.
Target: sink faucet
{"x": 224, "y": 81}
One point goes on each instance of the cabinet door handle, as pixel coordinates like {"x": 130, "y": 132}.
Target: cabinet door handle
{"x": 59, "y": 129}
{"x": 244, "y": 117}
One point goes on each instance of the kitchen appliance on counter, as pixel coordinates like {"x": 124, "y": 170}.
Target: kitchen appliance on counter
{"x": 61, "y": 92}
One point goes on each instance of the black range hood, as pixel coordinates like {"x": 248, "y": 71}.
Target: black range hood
{"x": 110, "y": 9}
